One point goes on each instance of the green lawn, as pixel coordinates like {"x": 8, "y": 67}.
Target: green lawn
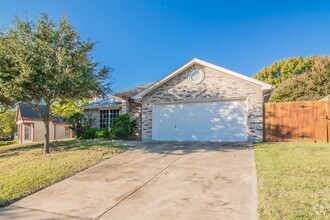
{"x": 293, "y": 180}
{"x": 24, "y": 169}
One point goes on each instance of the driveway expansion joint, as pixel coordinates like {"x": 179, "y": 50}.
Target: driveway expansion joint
{"x": 55, "y": 213}
{"x": 140, "y": 187}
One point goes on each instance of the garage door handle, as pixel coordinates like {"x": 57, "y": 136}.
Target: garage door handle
{"x": 174, "y": 126}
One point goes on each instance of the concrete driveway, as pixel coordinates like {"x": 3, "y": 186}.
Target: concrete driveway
{"x": 153, "y": 181}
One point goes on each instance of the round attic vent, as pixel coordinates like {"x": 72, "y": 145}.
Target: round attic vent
{"x": 196, "y": 76}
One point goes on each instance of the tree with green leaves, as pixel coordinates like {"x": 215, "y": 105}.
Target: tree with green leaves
{"x": 71, "y": 112}
{"x": 297, "y": 78}
{"x": 7, "y": 123}
{"x": 281, "y": 70}
{"x": 66, "y": 108}
{"x": 45, "y": 61}
{"x": 311, "y": 85}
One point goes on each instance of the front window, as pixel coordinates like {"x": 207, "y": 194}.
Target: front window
{"x": 113, "y": 114}
{"x": 104, "y": 119}
{"x": 107, "y": 117}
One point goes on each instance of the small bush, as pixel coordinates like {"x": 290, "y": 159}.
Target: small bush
{"x": 5, "y": 143}
{"x": 102, "y": 133}
{"x": 89, "y": 133}
{"x": 122, "y": 128}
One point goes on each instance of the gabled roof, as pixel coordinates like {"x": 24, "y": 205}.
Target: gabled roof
{"x": 132, "y": 91}
{"x": 28, "y": 113}
{"x": 101, "y": 104}
{"x": 193, "y": 61}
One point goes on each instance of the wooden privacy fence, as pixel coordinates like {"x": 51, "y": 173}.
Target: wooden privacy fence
{"x": 297, "y": 121}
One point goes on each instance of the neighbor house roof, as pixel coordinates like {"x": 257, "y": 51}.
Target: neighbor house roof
{"x": 132, "y": 91}
{"x": 193, "y": 61}
{"x": 28, "y": 113}
{"x": 327, "y": 98}
{"x": 101, "y": 104}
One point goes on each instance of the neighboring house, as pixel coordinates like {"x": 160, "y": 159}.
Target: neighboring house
{"x": 326, "y": 98}
{"x": 30, "y": 127}
{"x": 198, "y": 101}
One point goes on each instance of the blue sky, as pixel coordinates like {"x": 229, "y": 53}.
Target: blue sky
{"x": 144, "y": 40}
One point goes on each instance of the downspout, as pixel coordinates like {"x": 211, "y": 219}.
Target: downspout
{"x": 264, "y": 96}
{"x": 54, "y": 131}
{"x": 21, "y": 134}
{"x": 21, "y": 127}
{"x": 264, "y": 114}
{"x": 32, "y": 131}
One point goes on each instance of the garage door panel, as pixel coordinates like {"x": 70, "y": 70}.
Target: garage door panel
{"x": 200, "y": 121}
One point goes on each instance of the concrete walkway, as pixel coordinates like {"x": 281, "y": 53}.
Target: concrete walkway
{"x": 153, "y": 181}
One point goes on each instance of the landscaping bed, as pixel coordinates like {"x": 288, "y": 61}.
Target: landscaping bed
{"x": 25, "y": 170}
{"x": 293, "y": 180}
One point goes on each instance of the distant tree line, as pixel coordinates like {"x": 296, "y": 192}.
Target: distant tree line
{"x": 7, "y": 123}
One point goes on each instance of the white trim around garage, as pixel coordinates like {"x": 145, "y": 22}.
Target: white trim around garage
{"x": 242, "y": 98}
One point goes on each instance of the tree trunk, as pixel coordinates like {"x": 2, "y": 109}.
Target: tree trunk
{"x": 46, "y": 143}
{"x": 46, "y": 123}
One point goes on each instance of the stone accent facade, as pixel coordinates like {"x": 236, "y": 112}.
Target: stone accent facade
{"x": 216, "y": 86}
{"x": 94, "y": 116}
{"x": 134, "y": 111}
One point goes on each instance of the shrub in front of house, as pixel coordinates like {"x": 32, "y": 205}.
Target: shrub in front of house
{"x": 88, "y": 133}
{"x": 122, "y": 128}
{"x": 93, "y": 133}
{"x": 102, "y": 133}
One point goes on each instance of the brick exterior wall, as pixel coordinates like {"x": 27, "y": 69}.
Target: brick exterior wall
{"x": 216, "y": 85}
{"x": 134, "y": 111}
{"x": 93, "y": 114}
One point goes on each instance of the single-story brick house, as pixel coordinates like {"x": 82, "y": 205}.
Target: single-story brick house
{"x": 30, "y": 128}
{"x": 198, "y": 101}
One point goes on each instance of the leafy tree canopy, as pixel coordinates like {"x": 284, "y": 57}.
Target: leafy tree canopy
{"x": 45, "y": 61}
{"x": 284, "y": 69}
{"x": 67, "y": 108}
{"x": 7, "y": 123}
{"x": 297, "y": 78}
{"x": 72, "y": 114}
{"x": 311, "y": 85}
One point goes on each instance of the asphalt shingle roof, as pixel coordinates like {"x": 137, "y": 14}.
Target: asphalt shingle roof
{"x": 133, "y": 91}
{"x": 27, "y": 112}
{"x": 102, "y": 103}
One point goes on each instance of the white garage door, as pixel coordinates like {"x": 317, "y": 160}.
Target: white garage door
{"x": 200, "y": 121}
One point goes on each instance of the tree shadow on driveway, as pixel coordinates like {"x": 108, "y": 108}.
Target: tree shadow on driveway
{"x": 168, "y": 147}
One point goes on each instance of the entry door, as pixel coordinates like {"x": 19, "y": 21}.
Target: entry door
{"x": 200, "y": 121}
{"x": 27, "y": 132}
